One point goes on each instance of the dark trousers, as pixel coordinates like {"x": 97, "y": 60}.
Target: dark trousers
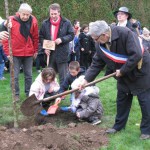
{"x": 40, "y": 61}
{"x": 84, "y": 60}
{"x": 124, "y": 101}
{"x": 27, "y": 63}
{"x": 60, "y": 68}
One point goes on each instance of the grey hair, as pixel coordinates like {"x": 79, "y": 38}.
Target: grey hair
{"x": 98, "y": 27}
{"x": 25, "y": 6}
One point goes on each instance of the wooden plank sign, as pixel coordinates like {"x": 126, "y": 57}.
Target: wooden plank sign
{"x": 48, "y": 44}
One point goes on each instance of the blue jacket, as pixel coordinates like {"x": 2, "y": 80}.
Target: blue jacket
{"x": 69, "y": 79}
{"x": 3, "y": 57}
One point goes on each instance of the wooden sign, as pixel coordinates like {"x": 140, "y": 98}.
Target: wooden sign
{"x": 48, "y": 44}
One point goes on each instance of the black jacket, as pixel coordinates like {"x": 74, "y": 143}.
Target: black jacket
{"x": 66, "y": 34}
{"x": 69, "y": 79}
{"x": 125, "y": 42}
{"x": 87, "y": 43}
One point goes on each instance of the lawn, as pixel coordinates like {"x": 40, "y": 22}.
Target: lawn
{"x": 127, "y": 139}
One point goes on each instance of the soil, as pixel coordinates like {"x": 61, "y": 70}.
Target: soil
{"x": 61, "y": 131}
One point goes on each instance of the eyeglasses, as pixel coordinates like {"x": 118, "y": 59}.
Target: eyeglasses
{"x": 98, "y": 37}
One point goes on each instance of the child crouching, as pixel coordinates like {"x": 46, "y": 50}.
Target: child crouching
{"x": 45, "y": 85}
{"x": 87, "y": 106}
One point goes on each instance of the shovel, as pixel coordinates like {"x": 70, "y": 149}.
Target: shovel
{"x": 29, "y": 107}
{"x": 52, "y": 109}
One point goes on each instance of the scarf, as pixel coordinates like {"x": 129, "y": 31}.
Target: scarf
{"x": 54, "y": 28}
{"x": 76, "y": 29}
{"x": 25, "y": 26}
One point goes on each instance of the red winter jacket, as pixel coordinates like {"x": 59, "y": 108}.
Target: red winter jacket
{"x": 21, "y": 47}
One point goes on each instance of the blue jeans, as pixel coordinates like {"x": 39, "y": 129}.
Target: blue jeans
{"x": 27, "y": 63}
{"x": 2, "y": 69}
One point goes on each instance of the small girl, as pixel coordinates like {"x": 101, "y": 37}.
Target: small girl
{"x": 3, "y": 59}
{"x": 87, "y": 47}
{"x": 45, "y": 85}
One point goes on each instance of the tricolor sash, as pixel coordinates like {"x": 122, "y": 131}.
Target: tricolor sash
{"x": 118, "y": 58}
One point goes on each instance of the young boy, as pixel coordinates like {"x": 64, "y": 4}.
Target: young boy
{"x": 74, "y": 72}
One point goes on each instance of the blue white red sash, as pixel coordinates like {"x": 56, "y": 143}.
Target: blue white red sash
{"x": 118, "y": 58}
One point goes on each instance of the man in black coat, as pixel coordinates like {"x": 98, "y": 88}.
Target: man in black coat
{"x": 120, "y": 49}
{"x": 59, "y": 30}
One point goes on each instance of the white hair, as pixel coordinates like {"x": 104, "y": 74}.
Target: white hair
{"x": 98, "y": 27}
{"x": 25, "y": 6}
{"x": 75, "y": 84}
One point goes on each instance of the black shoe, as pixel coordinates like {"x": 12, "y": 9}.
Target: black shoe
{"x": 144, "y": 136}
{"x": 111, "y": 131}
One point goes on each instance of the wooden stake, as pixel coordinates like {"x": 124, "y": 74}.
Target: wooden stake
{"x": 11, "y": 70}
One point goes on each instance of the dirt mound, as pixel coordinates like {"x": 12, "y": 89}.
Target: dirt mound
{"x": 63, "y": 133}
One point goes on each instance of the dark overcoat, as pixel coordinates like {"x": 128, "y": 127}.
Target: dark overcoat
{"x": 125, "y": 42}
{"x": 65, "y": 33}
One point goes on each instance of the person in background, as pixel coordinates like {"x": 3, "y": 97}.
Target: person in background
{"x": 40, "y": 59}
{"x": 45, "y": 85}
{"x": 87, "y": 47}
{"x": 136, "y": 25}
{"x": 123, "y": 18}
{"x": 24, "y": 37}
{"x": 74, "y": 45}
{"x": 132, "y": 75}
{"x": 146, "y": 39}
{"x": 3, "y": 59}
{"x": 59, "y": 30}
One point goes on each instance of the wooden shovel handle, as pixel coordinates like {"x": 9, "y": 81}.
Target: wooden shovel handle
{"x": 73, "y": 90}
{"x": 47, "y": 63}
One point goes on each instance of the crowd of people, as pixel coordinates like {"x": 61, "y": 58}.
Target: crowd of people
{"x": 78, "y": 55}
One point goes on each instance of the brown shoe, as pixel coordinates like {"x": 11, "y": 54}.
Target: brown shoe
{"x": 111, "y": 131}
{"x": 144, "y": 136}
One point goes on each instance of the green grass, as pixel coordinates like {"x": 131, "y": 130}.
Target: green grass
{"x": 127, "y": 139}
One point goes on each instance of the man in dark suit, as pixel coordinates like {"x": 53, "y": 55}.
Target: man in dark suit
{"x": 120, "y": 49}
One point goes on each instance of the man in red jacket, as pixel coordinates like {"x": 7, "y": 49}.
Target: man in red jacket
{"x": 24, "y": 38}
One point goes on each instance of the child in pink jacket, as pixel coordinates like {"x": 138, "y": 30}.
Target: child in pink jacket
{"x": 45, "y": 85}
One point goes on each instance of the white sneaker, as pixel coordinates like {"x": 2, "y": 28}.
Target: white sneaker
{"x": 96, "y": 121}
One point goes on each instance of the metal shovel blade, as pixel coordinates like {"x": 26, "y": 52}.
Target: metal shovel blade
{"x": 28, "y": 107}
